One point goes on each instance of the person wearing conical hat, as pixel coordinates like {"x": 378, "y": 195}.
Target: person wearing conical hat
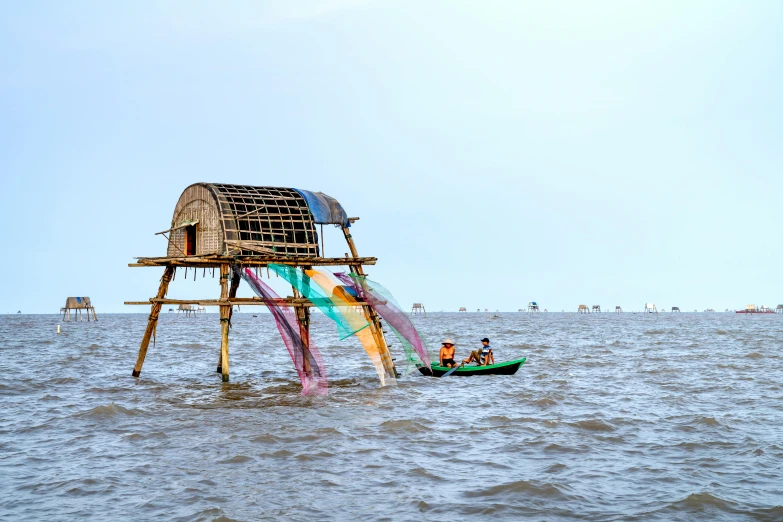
{"x": 447, "y": 354}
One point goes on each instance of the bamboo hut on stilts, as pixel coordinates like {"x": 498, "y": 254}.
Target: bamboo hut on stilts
{"x": 226, "y": 229}
{"x": 77, "y": 304}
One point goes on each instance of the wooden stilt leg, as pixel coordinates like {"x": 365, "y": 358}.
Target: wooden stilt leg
{"x": 153, "y": 320}
{"x": 375, "y": 321}
{"x": 303, "y": 319}
{"x": 232, "y": 293}
{"x": 225, "y": 314}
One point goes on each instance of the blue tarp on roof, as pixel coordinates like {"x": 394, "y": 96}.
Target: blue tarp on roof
{"x": 325, "y": 209}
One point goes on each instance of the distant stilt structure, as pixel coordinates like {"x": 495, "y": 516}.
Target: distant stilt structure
{"x": 596, "y": 309}
{"x": 532, "y": 306}
{"x": 649, "y": 308}
{"x": 618, "y": 309}
{"x": 418, "y": 308}
{"x": 779, "y": 309}
{"x": 77, "y": 304}
{"x": 583, "y": 309}
{"x": 201, "y": 310}
{"x": 675, "y": 309}
{"x": 463, "y": 309}
{"x": 188, "y": 309}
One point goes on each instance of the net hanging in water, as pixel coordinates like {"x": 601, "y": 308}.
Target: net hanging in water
{"x": 390, "y": 310}
{"x": 307, "y": 359}
{"x": 313, "y": 293}
{"x": 356, "y": 314}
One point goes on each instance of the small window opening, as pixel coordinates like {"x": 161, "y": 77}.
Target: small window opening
{"x": 190, "y": 240}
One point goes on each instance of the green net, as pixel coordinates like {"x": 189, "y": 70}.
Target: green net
{"x": 313, "y": 293}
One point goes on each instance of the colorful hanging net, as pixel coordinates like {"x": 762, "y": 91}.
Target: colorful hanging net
{"x": 389, "y": 309}
{"x": 313, "y": 293}
{"x": 355, "y": 314}
{"x": 307, "y": 359}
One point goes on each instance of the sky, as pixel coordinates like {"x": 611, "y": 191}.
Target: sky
{"x": 497, "y": 152}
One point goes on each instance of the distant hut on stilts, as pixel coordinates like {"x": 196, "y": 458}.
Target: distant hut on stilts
{"x": 596, "y": 308}
{"x": 418, "y": 308}
{"x": 219, "y": 227}
{"x": 618, "y": 309}
{"x": 189, "y": 310}
{"x": 78, "y": 304}
{"x": 582, "y": 309}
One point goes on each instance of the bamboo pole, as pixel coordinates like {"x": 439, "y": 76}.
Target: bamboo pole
{"x": 225, "y": 313}
{"x": 232, "y": 293}
{"x": 303, "y": 319}
{"x": 153, "y": 320}
{"x": 375, "y": 322}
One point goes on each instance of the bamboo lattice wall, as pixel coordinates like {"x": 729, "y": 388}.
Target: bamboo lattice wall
{"x": 244, "y": 220}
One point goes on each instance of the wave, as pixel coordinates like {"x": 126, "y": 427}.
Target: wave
{"x": 592, "y": 425}
{"x": 238, "y": 459}
{"x": 707, "y": 421}
{"x": 404, "y": 426}
{"x": 110, "y": 410}
{"x": 702, "y": 501}
{"x": 528, "y": 487}
{"x": 545, "y": 402}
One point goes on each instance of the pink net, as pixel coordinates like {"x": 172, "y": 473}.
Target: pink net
{"x": 307, "y": 359}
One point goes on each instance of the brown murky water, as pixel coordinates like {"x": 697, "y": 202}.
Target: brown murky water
{"x": 613, "y": 417}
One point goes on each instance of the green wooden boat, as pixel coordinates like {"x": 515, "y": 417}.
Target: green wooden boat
{"x": 504, "y": 368}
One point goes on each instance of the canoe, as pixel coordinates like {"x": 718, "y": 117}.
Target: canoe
{"x": 504, "y": 368}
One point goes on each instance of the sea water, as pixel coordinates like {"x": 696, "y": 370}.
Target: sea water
{"x": 612, "y": 417}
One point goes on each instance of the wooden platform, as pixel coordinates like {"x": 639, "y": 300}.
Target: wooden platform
{"x": 214, "y": 261}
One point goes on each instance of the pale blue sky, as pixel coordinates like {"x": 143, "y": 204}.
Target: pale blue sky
{"x": 497, "y": 152}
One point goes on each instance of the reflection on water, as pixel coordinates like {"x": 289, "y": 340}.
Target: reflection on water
{"x": 612, "y": 417}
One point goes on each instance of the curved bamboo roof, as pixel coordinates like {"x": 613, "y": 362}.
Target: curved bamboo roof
{"x": 247, "y": 220}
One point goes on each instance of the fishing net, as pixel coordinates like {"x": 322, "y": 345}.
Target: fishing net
{"x": 306, "y": 357}
{"x": 390, "y": 310}
{"x": 313, "y": 293}
{"x": 355, "y": 314}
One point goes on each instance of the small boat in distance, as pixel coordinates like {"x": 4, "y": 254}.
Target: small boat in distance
{"x": 504, "y": 368}
{"x": 751, "y": 309}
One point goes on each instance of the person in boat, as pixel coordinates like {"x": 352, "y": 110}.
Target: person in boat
{"x": 483, "y": 357}
{"x": 447, "y": 354}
